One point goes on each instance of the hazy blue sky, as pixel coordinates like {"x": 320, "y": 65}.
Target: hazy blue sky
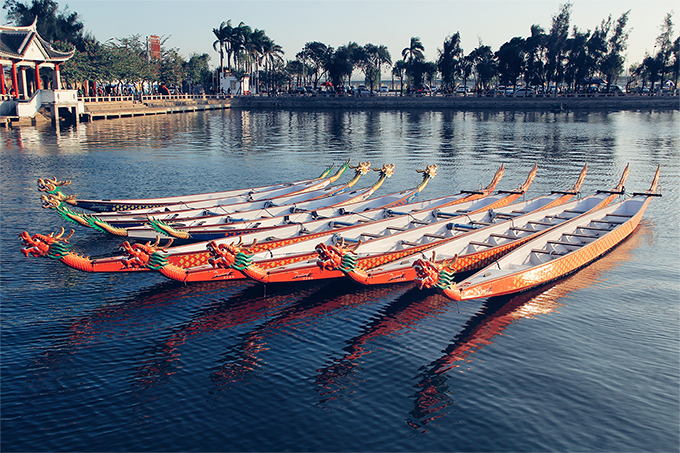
{"x": 291, "y": 24}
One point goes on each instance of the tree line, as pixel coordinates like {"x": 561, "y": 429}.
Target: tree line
{"x": 563, "y": 55}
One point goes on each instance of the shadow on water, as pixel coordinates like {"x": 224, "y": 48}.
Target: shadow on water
{"x": 434, "y": 396}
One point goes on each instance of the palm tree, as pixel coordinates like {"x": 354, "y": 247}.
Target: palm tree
{"x": 398, "y": 71}
{"x": 383, "y": 57}
{"x": 271, "y": 53}
{"x": 414, "y": 51}
{"x": 254, "y": 50}
{"x": 239, "y": 40}
{"x": 223, "y": 35}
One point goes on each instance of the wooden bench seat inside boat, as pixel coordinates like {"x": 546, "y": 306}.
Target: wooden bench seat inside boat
{"x": 567, "y": 243}
{"x": 483, "y": 244}
{"x": 503, "y": 236}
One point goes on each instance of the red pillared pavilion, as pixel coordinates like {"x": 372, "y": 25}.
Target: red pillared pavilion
{"x": 22, "y": 49}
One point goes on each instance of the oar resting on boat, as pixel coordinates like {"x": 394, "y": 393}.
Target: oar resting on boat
{"x": 558, "y": 252}
{"x": 288, "y": 229}
{"x": 53, "y": 187}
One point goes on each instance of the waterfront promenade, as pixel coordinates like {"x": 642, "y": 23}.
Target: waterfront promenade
{"x": 112, "y": 107}
{"x": 469, "y": 102}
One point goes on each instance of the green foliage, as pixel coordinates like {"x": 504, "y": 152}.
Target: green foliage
{"x": 448, "y": 62}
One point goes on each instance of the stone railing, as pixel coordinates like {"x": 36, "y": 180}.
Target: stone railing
{"x": 153, "y": 97}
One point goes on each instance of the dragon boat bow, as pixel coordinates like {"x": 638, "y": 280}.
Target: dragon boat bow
{"x": 289, "y": 229}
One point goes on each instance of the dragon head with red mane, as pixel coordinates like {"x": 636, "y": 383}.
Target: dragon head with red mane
{"x": 139, "y": 255}
{"x": 430, "y": 274}
{"x": 39, "y": 245}
{"x": 332, "y": 257}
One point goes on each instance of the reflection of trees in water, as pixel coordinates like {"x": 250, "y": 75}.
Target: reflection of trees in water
{"x": 433, "y": 397}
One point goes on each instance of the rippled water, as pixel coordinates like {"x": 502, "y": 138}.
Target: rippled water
{"x": 112, "y": 362}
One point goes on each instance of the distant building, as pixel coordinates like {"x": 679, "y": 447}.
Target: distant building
{"x": 230, "y": 84}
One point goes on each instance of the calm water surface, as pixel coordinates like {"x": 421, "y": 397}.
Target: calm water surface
{"x": 112, "y": 362}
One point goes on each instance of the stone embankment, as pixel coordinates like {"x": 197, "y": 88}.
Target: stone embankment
{"x": 439, "y": 102}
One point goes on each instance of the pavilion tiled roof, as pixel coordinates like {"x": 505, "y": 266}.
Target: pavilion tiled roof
{"x": 15, "y": 41}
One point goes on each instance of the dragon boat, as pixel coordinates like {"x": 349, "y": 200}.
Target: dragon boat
{"x": 53, "y": 187}
{"x": 276, "y": 217}
{"x": 137, "y": 257}
{"x": 167, "y": 221}
{"x": 199, "y": 208}
{"x": 479, "y": 238}
{"x": 558, "y": 252}
{"x": 297, "y": 262}
{"x": 480, "y": 242}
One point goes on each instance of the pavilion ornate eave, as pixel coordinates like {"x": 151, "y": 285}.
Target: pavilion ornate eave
{"x": 23, "y": 43}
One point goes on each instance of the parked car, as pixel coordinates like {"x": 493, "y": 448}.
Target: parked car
{"x": 384, "y": 89}
{"x": 361, "y": 89}
{"x": 462, "y": 89}
{"x": 300, "y": 90}
{"x": 524, "y": 92}
{"x": 613, "y": 89}
{"x": 423, "y": 88}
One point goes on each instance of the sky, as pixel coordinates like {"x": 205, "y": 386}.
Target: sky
{"x": 188, "y": 23}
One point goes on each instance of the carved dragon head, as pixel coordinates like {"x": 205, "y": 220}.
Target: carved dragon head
{"x": 224, "y": 255}
{"x": 387, "y": 170}
{"x": 362, "y": 168}
{"x": 50, "y": 201}
{"x": 429, "y": 172}
{"x": 428, "y": 271}
{"x": 51, "y": 185}
{"x": 39, "y": 244}
{"x": 138, "y": 255}
{"x": 330, "y": 256}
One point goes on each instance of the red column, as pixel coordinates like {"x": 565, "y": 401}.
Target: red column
{"x": 57, "y": 78}
{"x": 2, "y": 80}
{"x": 37, "y": 76}
{"x": 15, "y": 81}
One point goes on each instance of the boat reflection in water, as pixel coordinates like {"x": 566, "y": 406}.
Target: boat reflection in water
{"x": 250, "y": 305}
{"x": 243, "y": 358}
{"x": 406, "y": 312}
{"x": 433, "y": 397}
